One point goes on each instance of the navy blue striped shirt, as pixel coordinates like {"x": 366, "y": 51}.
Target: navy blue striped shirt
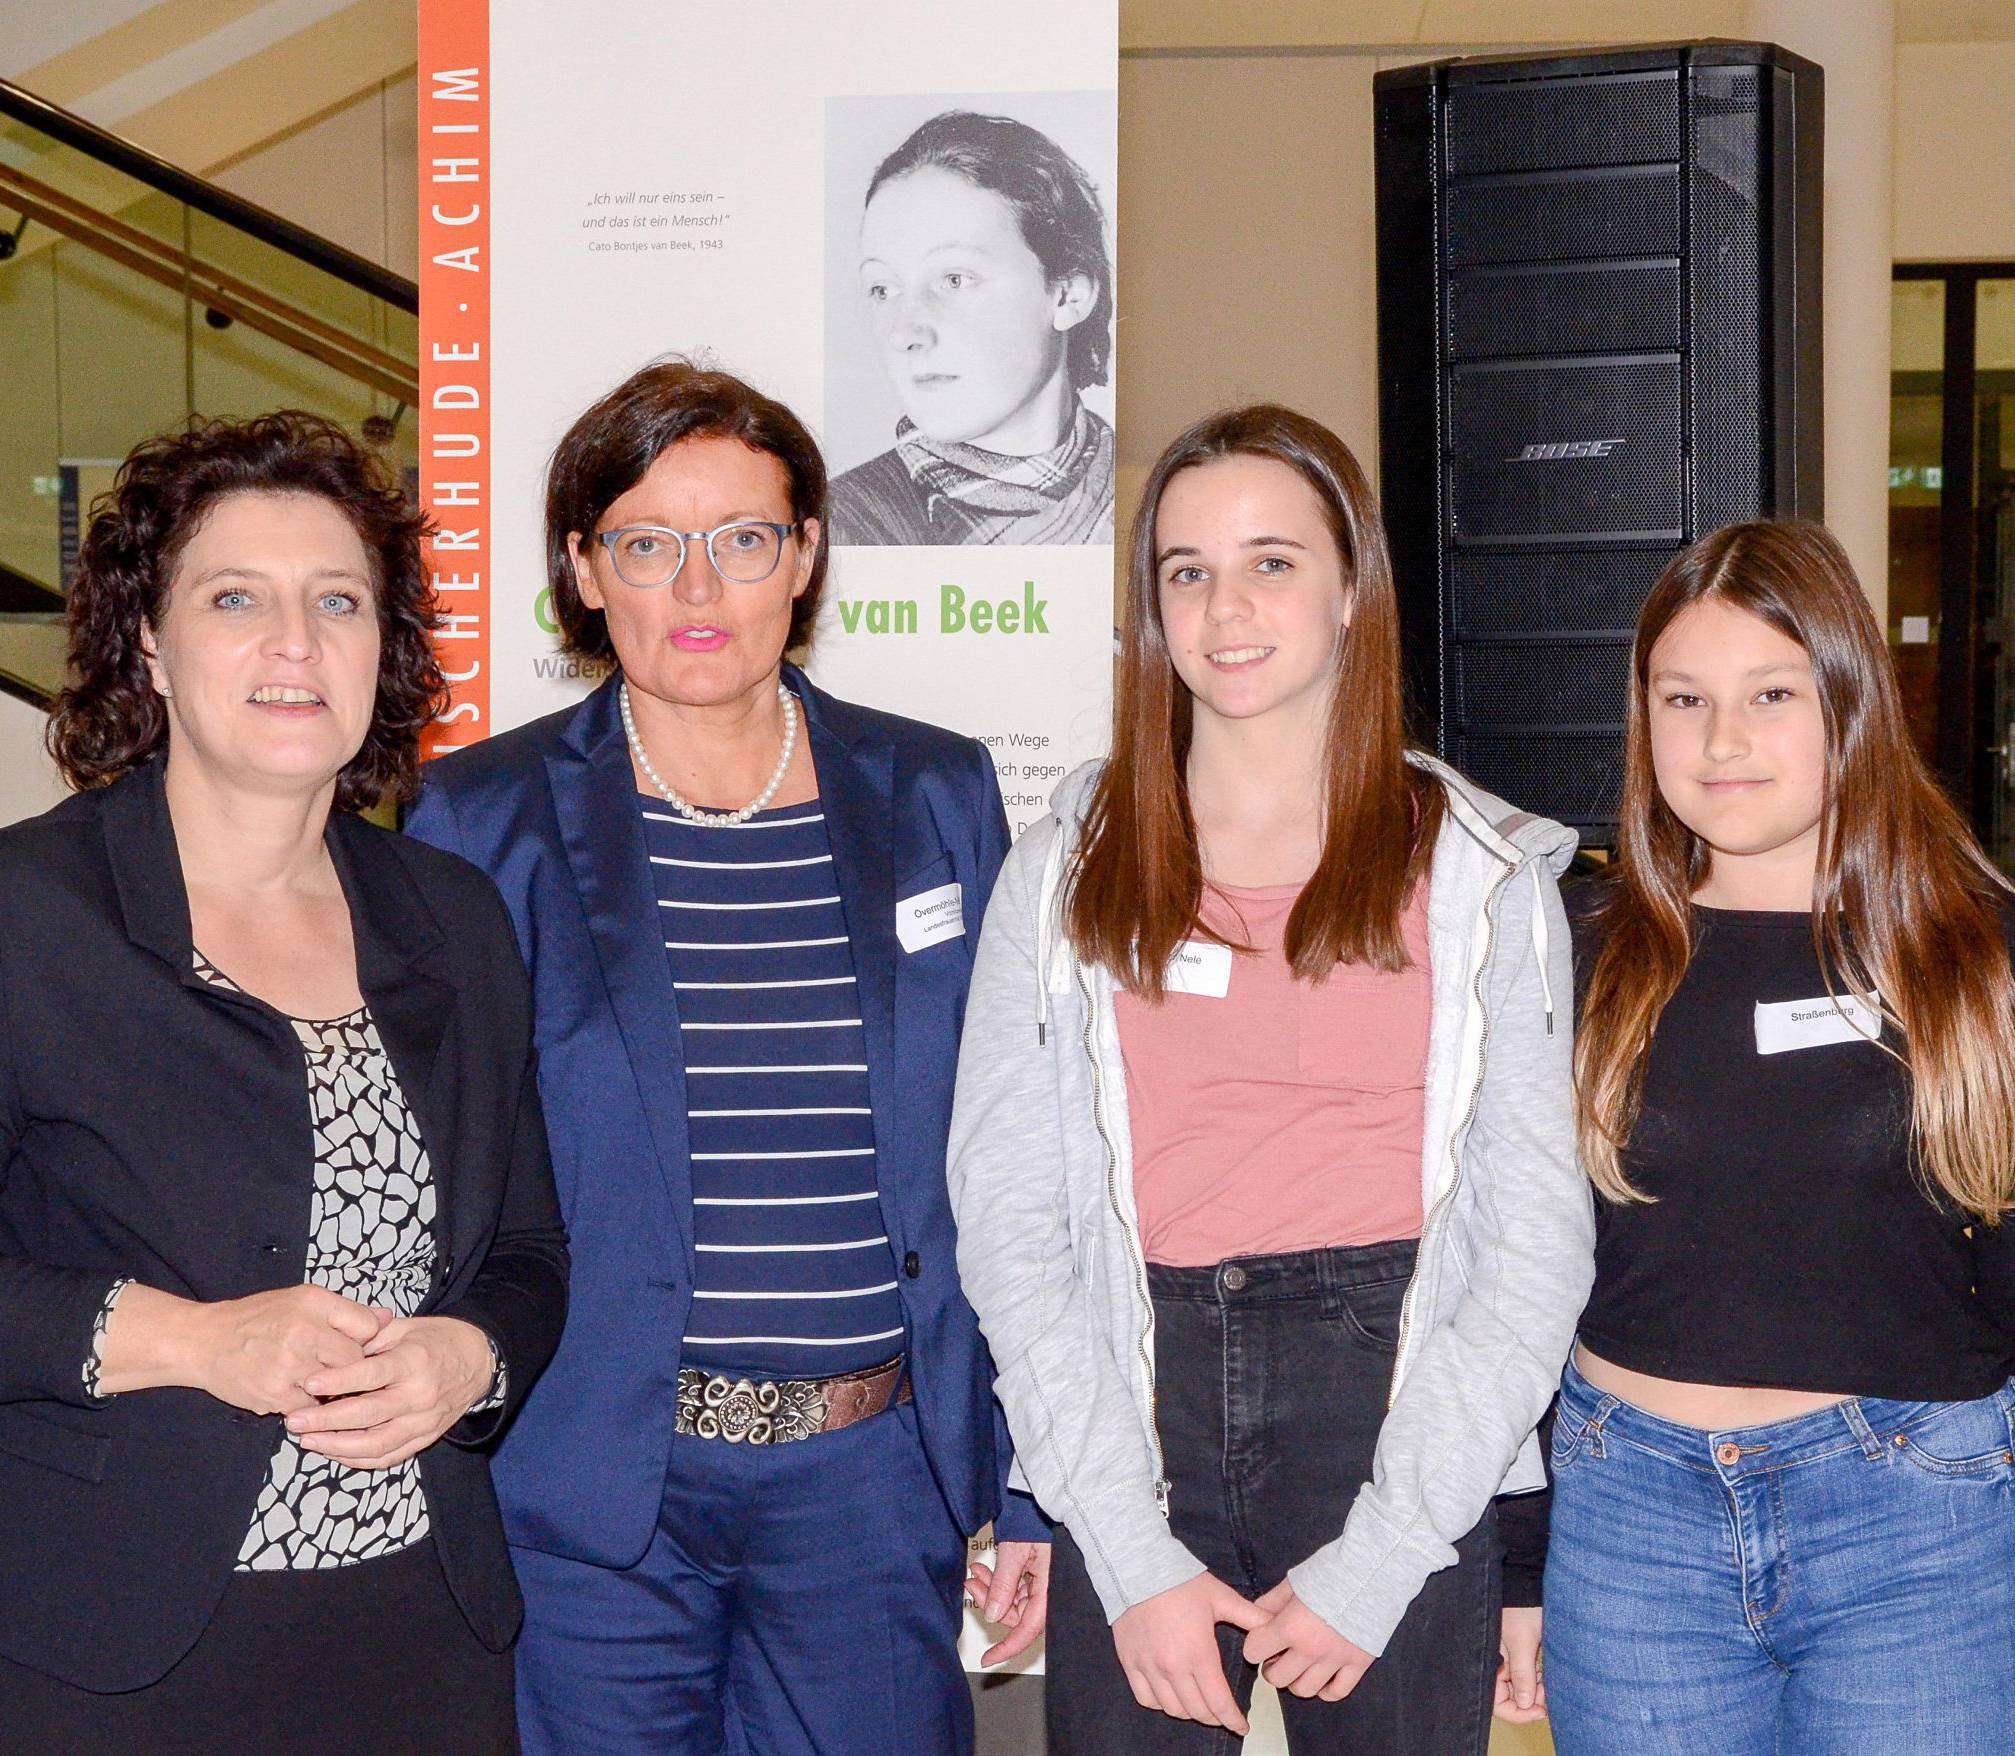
{"x": 796, "y": 1278}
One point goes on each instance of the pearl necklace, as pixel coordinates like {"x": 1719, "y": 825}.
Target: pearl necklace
{"x": 692, "y": 813}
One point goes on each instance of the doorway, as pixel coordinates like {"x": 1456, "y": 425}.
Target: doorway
{"x": 1952, "y": 530}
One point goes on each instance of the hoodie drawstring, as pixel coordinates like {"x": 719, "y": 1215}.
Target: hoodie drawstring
{"x": 1539, "y": 938}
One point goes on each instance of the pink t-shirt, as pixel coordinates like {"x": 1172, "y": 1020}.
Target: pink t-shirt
{"x": 1271, "y": 1114}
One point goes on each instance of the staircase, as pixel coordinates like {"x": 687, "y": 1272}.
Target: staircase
{"x": 135, "y": 295}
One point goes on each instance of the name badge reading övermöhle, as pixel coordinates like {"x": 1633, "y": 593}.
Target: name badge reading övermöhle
{"x": 931, "y": 915}
{"x": 1806, "y": 1024}
{"x": 1199, "y": 967}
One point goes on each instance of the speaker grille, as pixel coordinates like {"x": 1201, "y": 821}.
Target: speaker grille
{"x": 1732, "y": 336}
{"x": 1577, "y": 451}
{"x": 1583, "y": 591}
{"x": 1537, "y": 124}
{"x": 1574, "y": 779}
{"x": 1545, "y": 216}
{"x": 1555, "y": 684}
{"x": 1598, "y": 339}
{"x": 1579, "y": 308}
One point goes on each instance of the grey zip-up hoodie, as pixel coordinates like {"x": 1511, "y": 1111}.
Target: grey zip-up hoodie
{"x": 1049, "y": 1243}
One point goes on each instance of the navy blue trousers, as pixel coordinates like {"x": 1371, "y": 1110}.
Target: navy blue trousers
{"x": 797, "y": 1600}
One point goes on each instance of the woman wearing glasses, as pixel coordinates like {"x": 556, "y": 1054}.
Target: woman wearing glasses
{"x": 740, "y": 1499}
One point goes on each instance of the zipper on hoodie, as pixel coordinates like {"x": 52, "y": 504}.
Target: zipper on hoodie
{"x": 1137, "y": 1255}
{"x": 1461, "y": 1131}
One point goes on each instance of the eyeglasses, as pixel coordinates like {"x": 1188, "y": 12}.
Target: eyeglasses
{"x": 745, "y": 552}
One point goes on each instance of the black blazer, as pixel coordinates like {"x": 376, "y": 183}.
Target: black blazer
{"x": 156, "y": 1127}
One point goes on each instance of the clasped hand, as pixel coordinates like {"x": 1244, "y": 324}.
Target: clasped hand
{"x": 355, "y": 1382}
{"x": 418, "y": 1376}
{"x": 1168, "y": 1648}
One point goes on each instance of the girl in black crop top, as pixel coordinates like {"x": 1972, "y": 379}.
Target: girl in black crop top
{"x": 1783, "y": 1515}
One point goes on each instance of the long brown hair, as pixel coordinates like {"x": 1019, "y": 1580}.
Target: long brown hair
{"x": 1136, "y": 888}
{"x": 1905, "y": 906}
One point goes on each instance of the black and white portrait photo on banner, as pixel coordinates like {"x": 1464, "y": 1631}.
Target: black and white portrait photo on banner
{"x": 980, "y": 600}
{"x": 969, "y": 318}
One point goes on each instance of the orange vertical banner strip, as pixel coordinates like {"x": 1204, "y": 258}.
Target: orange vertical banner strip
{"x": 455, "y": 469}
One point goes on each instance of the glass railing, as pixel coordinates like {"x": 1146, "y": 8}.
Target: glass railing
{"x": 134, "y": 295}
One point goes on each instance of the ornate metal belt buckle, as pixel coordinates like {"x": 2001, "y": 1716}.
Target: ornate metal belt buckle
{"x": 746, "y": 1411}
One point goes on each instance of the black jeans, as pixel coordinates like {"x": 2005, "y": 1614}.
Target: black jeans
{"x": 1272, "y": 1374}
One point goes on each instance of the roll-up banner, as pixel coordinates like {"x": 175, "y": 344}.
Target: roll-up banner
{"x": 894, "y": 215}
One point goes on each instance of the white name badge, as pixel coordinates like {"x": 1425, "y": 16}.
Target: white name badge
{"x": 1199, "y": 967}
{"x": 931, "y": 915}
{"x": 1806, "y": 1024}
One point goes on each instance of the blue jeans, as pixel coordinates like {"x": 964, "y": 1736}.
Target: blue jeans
{"x": 1841, "y": 1584}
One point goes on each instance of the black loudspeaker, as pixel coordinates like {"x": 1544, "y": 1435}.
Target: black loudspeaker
{"x": 1598, "y": 329}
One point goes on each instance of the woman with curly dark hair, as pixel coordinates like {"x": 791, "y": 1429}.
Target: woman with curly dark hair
{"x": 279, "y": 1249}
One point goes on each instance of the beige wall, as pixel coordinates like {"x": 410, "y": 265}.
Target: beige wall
{"x": 1245, "y": 245}
{"x": 29, "y": 784}
{"x": 1955, "y": 151}
{"x": 370, "y": 206}
{"x": 1854, "y": 41}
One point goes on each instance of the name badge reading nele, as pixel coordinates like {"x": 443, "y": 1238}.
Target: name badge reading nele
{"x": 930, "y": 916}
{"x": 1783, "y": 1025}
{"x": 1199, "y": 967}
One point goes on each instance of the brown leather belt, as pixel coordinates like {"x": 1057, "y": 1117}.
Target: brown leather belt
{"x": 776, "y": 1411}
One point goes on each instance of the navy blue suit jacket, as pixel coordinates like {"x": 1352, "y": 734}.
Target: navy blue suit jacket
{"x": 549, "y": 812}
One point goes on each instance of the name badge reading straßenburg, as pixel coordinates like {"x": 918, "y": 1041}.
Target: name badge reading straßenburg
{"x": 1783, "y": 1025}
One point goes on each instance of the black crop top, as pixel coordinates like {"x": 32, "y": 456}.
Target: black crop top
{"x": 1793, "y": 1244}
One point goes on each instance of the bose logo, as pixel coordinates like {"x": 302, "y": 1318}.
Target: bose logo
{"x": 1567, "y": 448}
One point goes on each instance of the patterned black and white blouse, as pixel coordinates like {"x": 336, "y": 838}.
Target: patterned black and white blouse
{"x": 371, "y": 1239}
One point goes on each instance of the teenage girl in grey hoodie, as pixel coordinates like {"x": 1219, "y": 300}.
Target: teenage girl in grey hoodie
{"x": 1263, "y": 1149}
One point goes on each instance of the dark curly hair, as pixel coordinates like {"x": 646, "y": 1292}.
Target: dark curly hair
{"x": 1055, "y": 203}
{"x": 610, "y": 447}
{"x": 110, "y": 720}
